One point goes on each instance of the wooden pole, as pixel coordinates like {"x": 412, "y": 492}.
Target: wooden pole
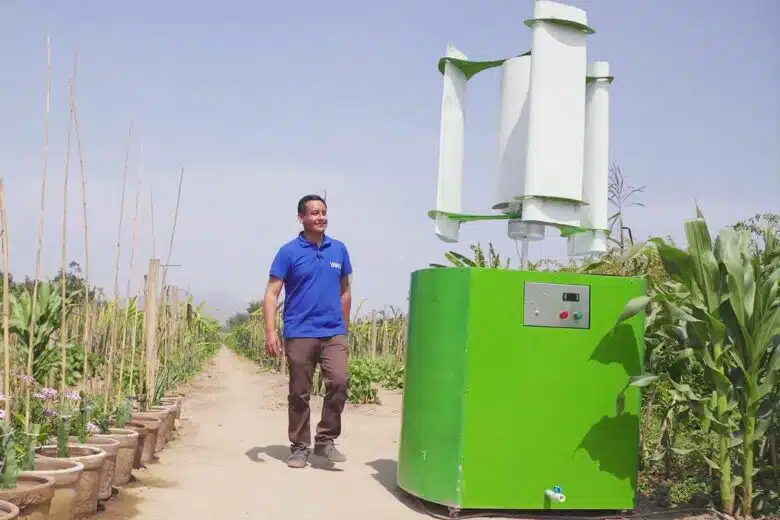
{"x": 87, "y": 333}
{"x": 34, "y": 302}
{"x": 64, "y": 259}
{"x": 150, "y": 328}
{"x": 114, "y": 333}
{"x": 373, "y": 334}
{"x": 6, "y": 308}
{"x": 134, "y": 340}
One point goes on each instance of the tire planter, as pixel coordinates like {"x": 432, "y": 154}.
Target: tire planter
{"x": 128, "y": 445}
{"x": 32, "y": 496}
{"x": 8, "y": 511}
{"x": 93, "y": 459}
{"x": 152, "y": 425}
{"x": 111, "y": 447}
{"x": 66, "y": 474}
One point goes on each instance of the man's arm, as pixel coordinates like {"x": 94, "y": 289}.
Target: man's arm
{"x": 346, "y": 298}
{"x": 271, "y": 303}
{"x": 346, "y": 287}
{"x": 280, "y": 268}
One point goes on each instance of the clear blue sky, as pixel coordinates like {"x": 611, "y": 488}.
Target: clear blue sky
{"x": 262, "y": 102}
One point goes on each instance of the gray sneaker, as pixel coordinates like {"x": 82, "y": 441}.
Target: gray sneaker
{"x": 329, "y": 451}
{"x": 298, "y": 459}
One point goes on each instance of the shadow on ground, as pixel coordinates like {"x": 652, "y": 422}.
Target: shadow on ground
{"x": 385, "y": 473}
{"x": 280, "y": 453}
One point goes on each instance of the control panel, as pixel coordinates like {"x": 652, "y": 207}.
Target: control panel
{"x": 556, "y": 305}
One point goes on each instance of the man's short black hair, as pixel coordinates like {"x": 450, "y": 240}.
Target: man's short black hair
{"x": 309, "y": 198}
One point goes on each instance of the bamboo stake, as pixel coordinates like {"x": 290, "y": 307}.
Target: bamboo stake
{"x": 129, "y": 281}
{"x": 114, "y": 322}
{"x": 151, "y": 208}
{"x": 150, "y": 329}
{"x": 142, "y": 364}
{"x": 162, "y": 325}
{"x": 373, "y": 334}
{"x": 64, "y": 266}
{"x": 6, "y": 307}
{"x": 173, "y": 231}
{"x": 164, "y": 297}
{"x": 134, "y": 340}
{"x": 34, "y": 302}
{"x": 87, "y": 337}
{"x": 175, "y": 313}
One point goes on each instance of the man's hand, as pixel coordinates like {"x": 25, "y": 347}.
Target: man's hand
{"x": 272, "y": 345}
{"x": 270, "y": 303}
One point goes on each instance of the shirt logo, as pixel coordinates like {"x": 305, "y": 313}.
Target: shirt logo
{"x": 335, "y": 265}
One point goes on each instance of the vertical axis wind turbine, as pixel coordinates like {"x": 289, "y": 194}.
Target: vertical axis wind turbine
{"x": 553, "y": 137}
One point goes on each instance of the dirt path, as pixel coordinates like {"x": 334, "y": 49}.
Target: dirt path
{"x": 229, "y": 459}
{"x": 228, "y": 462}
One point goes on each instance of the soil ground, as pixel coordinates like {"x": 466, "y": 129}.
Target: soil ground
{"x": 228, "y": 459}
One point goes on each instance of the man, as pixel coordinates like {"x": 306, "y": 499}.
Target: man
{"x": 314, "y": 270}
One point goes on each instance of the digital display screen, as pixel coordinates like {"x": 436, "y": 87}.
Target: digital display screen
{"x": 571, "y": 297}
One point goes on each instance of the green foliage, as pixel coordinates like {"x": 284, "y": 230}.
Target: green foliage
{"x": 722, "y": 306}
{"x": 26, "y": 449}
{"x": 47, "y": 323}
{"x": 122, "y": 415}
{"x": 63, "y": 432}
{"x": 492, "y": 260}
{"x": 366, "y": 374}
{"x": 362, "y": 377}
{"x": 10, "y": 470}
{"x": 391, "y": 373}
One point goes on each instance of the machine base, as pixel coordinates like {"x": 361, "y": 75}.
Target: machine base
{"x": 446, "y": 512}
{"x": 516, "y": 392}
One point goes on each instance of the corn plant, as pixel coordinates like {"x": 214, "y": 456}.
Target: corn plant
{"x": 729, "y": 322}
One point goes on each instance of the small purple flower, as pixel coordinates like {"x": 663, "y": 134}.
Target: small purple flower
{"x": 73, "y": 396}
{"x": 48, "y": 412}
{"x": 30, "y": 380}
{"x": 92, "y": 429}
{"x": 47, "y": 394}
{"x": 2, "y": 415}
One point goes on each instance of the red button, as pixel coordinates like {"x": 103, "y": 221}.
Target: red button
{"x": 564, "y": 315}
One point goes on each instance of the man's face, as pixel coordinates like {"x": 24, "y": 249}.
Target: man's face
{"x": 315, "y": 217}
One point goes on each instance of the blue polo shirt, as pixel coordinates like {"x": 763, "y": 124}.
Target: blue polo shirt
{"x": 312, "y": 285}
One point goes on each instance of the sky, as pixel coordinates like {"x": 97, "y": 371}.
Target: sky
{"x": 263, "y": 102}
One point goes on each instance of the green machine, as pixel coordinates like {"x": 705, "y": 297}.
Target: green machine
{"x": 515, "y": 390}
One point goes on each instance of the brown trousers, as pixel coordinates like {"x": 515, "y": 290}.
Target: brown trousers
{"x": 303, "y": 355}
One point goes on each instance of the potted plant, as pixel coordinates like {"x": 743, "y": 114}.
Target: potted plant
{"x": 122, "y": 420}
{"x": 84, "y": 431}
{"x": 60, "y": 413}
{"x": 66, "y": 473}
{"x": 32, "y": 494}
{"x": 102, "y": 418}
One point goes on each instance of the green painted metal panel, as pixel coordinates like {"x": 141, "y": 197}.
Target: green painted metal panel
{"x": 536, "y": 406}
{"x": 432, "y": 427}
